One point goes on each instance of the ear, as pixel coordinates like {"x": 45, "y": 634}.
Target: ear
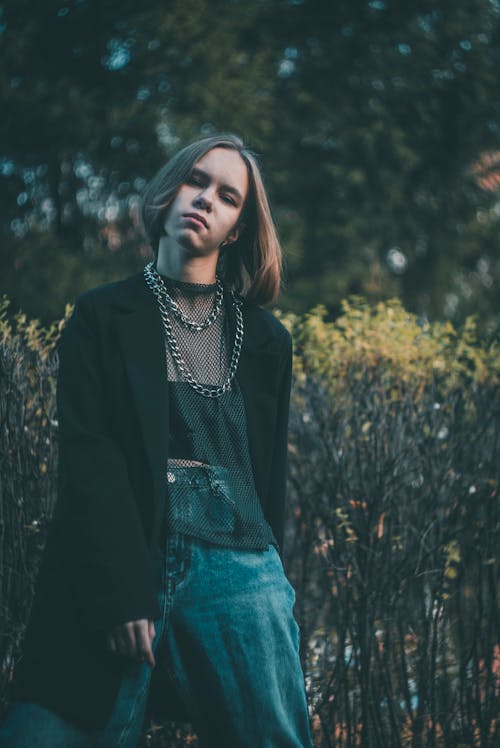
{"x": 235, "y": 233}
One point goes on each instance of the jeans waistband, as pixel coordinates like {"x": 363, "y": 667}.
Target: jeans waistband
{"x": 197, "y": 476}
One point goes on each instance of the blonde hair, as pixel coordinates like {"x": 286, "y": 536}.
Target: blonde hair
{"x": 253, "y": 264}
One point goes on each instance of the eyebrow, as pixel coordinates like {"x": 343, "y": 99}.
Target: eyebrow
{"x": 225, "y": 187}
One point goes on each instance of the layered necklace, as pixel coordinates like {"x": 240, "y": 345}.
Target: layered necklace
{"x": 168, "y": 307}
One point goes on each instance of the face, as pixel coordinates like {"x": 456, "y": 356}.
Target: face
{"x": 207, "y": 207}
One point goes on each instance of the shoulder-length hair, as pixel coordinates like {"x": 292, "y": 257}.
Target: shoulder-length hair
{"x": 253, "y": 264}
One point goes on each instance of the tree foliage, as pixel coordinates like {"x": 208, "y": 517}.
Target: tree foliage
{"x": 372, "y": 118}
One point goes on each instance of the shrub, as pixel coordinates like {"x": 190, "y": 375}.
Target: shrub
{"x": 28, "y": 464}
{"x": 394, "y": 519}
{"x": 394, "y": 474}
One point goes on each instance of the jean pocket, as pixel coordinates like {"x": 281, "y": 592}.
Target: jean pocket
{"x": 204, "y": 503}
{"x": 220, "y": 509}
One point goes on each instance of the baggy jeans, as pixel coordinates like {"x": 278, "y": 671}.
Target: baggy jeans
{"x": 227, "y": 640}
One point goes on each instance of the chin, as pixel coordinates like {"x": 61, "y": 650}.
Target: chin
{"x": 190, "y": 244}
{"x": 194, "y": 250}
{"x": 188, "y": 240}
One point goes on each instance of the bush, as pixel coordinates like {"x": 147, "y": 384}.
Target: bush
{"x": 395, "y": 463}
{"x": 394, "y": 520}
{"x": 28, "y": 465}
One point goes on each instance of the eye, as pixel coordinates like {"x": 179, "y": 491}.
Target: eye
{"x": 193, "y": 179}
{"x": 228, "y": 199}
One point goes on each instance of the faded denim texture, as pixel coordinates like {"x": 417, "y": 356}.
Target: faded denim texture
{"x": 228, "y": 643}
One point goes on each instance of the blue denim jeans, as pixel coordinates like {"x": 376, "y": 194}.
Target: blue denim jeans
{"x": 227, "y": 640}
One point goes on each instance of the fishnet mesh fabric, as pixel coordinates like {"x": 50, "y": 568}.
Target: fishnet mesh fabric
{"x": 212, "y": 493}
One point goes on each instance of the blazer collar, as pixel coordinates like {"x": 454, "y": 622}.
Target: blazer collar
{"x": 140, "y": 332}
{"x": 139, "y": 306}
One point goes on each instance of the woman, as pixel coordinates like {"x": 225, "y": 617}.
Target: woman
{"x": 162, "y": 574}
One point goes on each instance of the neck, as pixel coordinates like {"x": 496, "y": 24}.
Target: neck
{"x": 175, "y": 262}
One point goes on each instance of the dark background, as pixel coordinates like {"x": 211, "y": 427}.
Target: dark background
{"x": 378, "y": 125}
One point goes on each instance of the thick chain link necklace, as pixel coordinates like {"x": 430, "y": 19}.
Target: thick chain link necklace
{"x": 155, "y": 283}
{"x": 151, "y": 272}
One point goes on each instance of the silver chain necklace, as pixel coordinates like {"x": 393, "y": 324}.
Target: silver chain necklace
{"x": 151, "y": 272}
{"x": 155, "y": 283}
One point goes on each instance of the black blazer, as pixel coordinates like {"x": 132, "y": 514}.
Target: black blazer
{"x": 112, "y": 403}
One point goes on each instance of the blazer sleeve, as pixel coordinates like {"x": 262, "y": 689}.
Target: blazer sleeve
{"x": 279, "y": 467}
{"x": 97, "y": 526}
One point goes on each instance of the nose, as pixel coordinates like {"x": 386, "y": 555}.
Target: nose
{"x": 204, "y": 201}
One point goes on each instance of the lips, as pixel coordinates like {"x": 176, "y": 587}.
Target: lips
{"x": 196, "y": 217}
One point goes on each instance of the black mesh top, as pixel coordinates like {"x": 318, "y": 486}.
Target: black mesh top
{"x": 212, "y": 494}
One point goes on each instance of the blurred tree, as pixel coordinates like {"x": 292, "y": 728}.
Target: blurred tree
{"x": 371, "y": 119}
{"x": 96, "y": 96}
{"x": 395, "y": 102}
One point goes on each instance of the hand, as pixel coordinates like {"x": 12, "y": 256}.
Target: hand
{"x": 133, "y": 639}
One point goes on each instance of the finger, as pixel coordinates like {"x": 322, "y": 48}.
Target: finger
{"x": 152, "y": 632}
{"x": 123, "y": 641}
{"x": 130, "y": 638}
{"x": 144, "y": 649}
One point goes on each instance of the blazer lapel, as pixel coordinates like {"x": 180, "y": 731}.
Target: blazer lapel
{"x": 258, "y": 366}
{"x": 141, "y": 336}
{"x": 258, "y": 376}
{"x": 142, "y": 341}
